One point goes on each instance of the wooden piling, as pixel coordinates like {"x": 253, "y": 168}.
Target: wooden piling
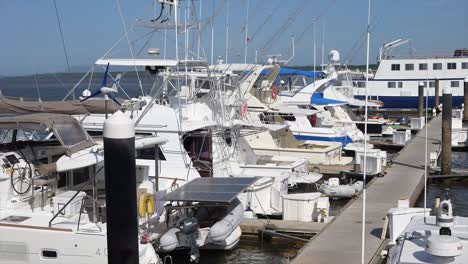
{"x": 465, "y": 93}
{"x": 420, "y": 99}
{"x": 446, "y": 155}
{"x": 436, "y": 95}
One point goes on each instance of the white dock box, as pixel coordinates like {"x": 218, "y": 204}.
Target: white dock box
{"x": 457, "y": 123}
{"x": 457, "y": 113}
{"x": 401, "y": 137}
{"x": 374, "y": 165}
{"x": 301, "y": 206}
{"x": 73, "y": 208}
{"x": 417, "y": 122}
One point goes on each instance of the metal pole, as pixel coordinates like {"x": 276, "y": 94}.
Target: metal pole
{"x": 446, "y": 160}
{"x": 212, "y": 32}
{"x": 121, "y": 194}
{"x": 156, "y": 168}
{"x": 227, "y": 31}
{"x": 246, "y": 44}
{"x": 465, "y": 111}
{"x": 436, "y": 95}
{"x": 364, "y": 175}
{"x": 420, "y": 99}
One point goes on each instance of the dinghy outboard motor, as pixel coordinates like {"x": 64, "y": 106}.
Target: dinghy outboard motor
{"x": 444, "y": 245}
{"x": 189, "y": 229}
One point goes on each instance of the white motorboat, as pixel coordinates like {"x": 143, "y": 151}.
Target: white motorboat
{"x": 48, "y": 166}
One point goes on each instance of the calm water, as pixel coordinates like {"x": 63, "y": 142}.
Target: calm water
{"x": 252, "y": 252}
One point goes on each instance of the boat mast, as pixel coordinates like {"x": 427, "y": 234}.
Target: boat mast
{"x": 227, "y": 31}
{"x": 246, "y": 43}
{"x": 364, "y": 176}
{"x": 199, "y": 31}
{"x": 212, "y": 32}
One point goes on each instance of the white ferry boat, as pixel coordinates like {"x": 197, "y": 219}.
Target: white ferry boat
{"x": 395, "y": 82}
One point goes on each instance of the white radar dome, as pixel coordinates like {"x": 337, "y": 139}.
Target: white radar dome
{"x": 334, "y": 56}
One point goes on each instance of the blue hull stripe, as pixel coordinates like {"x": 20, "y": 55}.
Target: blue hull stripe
{"x": 343, "y": 140}
{"x": 411, "y": 101}
{"x": 422, "y": 79}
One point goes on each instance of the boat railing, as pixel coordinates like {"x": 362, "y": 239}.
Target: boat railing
{"x": 83, "y": 202}
{"x": 61, "y": 211}
{"x": 436, "y": 54}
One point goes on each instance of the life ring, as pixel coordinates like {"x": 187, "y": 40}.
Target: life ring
{"x": 146, "y": 205}
{"x": 274, "y": 92}
{"x": 375, "y": 117}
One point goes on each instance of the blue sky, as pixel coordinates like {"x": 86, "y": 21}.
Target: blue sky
{"x": 31, "y": 42}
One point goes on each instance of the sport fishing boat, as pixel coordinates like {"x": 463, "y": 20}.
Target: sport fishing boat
{"x": 396, "y": 80}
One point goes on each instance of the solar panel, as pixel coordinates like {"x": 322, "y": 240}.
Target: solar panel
{"x": 212, "y": 190}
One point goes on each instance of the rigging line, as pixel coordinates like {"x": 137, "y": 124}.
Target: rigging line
{"x": 129, "y": 44}
{"x": 61, "y": 36}
{"x": 269, "y": 17}
{"x": 290, "y": 19}
{"x": 63, "y": 40}
{"x": 315, "y": 20}
{"x": 207, "y": 21}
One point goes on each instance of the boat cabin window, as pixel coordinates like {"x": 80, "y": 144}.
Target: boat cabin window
{"x": 424, "y": 84}
{"x": 361, "y": 84}
{"x": 437, "y": 66}
{"x": 49, "y": 254}
{"x": 451, "y": 66}
{"x": 400, "y": 84}
{"x": 454, "y": 84}
{"x": 409, "y": 67}
{"x": 432, "y": 84}
{"x": 395, "y": 67}
{"x": 149, "y": 153}
{"x": 391, "y": 85}
{"x": 423, "y": 66}
{"x": 464, "y": 65}
{"x": 6, "y": 135}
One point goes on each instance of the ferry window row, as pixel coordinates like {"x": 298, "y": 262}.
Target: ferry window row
{"x": 453, "y": 84}
{"x": 394, "y": 84}
{"x": 435, "y": 66}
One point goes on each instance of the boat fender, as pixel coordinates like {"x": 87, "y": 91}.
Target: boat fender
{"x": 169, "y": 242}
{"x": 146, "y": 205}
{"x": 223, "y": 228}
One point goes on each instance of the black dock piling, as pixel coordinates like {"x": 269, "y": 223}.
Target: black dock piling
{"x": 120, "y": 177}
{"x": 465, "y": 94}
{"x": 420, "y": 99}
{"x": 436, "y": 95}
{"x": 446, "y": 159}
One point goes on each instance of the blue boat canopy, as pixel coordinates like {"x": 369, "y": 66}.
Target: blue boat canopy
{"x": 288, "y": 71}
{"x": 317, "y": 99}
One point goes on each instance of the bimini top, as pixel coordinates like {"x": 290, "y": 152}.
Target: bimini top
{"x": 17, "y": 106}
{"x": 211, "y": 190}
{"x": 65, "y": 128}
{"x": 288, "y": 71}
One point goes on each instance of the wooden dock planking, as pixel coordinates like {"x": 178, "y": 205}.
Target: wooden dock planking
{"x": 340, "y": 241}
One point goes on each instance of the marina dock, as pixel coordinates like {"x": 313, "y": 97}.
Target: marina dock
{"x": 257, "y": 226}
{"x": 340, "y": 241}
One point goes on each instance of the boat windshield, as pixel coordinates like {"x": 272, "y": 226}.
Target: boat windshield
{"x": 70, "y": 134}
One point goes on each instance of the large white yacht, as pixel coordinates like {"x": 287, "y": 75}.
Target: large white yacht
{"x": 396, "y": 79}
